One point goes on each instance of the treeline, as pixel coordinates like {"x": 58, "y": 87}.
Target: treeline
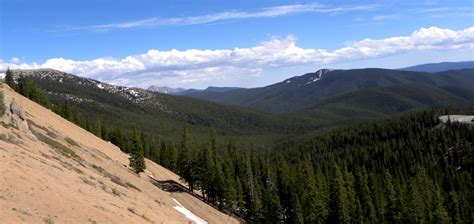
{"x": 402, "y": 170}
{"x": 28, "y": 88}
{"x": 132, "y": 142}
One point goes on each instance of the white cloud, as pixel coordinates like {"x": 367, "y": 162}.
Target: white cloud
{"x": 226, "y": 15}
{"x": 183, "y": 68}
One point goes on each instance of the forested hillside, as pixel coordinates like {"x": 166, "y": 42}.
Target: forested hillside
{"x": 95, "y": 104}
{"x": 404, "y": 170}
{"x": 306, "y": 91}
{"x": 440, "y": 67}
{"x": 388, "y": 101}
{"x": 410, "y": 169}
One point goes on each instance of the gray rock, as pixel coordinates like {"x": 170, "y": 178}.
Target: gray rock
{"x": 16, "y": 109}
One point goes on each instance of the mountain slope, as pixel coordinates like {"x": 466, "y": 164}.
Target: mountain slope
{"x": 161, "y": 115}
{"x": 305, "y": 91}
{"x": 387, "y": 101}
{"x": 165, "y": 89}
{"x": 440, "y": 67}
{"x": 208, "y": 90}
{"x": 54, "y": 171}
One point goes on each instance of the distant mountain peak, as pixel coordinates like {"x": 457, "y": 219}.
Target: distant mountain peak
{"x": 308, "y": 78}
{"x": 318, "y": 75}
{"x": 165, "y": 89}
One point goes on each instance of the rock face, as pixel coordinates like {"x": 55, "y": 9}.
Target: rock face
{"x": 15, "y": 115}
{"x": 17, "y": 110}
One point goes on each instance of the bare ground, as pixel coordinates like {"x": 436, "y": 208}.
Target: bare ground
{"x": 56, "y": 172}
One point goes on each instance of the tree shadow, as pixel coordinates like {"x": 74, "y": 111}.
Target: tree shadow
{"x": 169, "y": 185}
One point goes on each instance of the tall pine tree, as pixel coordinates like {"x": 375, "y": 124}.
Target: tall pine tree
{"x": 137, "y": 160}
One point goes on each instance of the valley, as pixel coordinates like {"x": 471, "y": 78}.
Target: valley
{"x": 287, "y": 167}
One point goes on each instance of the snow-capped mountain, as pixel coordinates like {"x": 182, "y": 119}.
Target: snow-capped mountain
{"x": 165, "y": 89}
{"x": 307, "y": 78}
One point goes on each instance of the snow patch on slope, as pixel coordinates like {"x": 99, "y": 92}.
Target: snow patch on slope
{"x": 318, "y": 76}
{"x": 187, "y": 213}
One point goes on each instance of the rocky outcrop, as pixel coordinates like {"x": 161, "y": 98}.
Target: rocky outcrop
{"x": 15, "y": 115}
{"x": 17, "y": 110}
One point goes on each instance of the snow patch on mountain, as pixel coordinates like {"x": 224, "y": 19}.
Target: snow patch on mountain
{"x": 165, "y": 89}
{"x": 318, "y": 75}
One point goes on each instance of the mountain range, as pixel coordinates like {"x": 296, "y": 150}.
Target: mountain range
{"x": 183, "y": 91}
{"x": 308, "y": 90}
{"x": 440, "y": 67}
{"x": 321, "y": 146}
{"x": 291, "y": 107}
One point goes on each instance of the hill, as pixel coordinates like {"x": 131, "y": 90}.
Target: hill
{"x": 440, "y": 67}
{"x": 55, "y": 171}
{"x": 306, "y": 91}
{"x": 210, "y": 90}
{"x": 165, "y": 89}
{"x": 388, "y": 101}
{"x": 161, "y": 116}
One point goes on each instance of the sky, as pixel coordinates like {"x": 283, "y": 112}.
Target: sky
{"x": 245, "y": 43}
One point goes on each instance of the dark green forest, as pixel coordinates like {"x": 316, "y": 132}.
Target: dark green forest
{"x": 407, "y": 169}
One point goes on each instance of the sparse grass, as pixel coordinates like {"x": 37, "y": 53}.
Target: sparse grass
{"x": 46, "y": 156}
{"x": 132, "y": 210}
{"x": 8, "y": 138}
{"x": 118, "y": 181}
{"x": 116, "y": 192}
{"x": 114, "y": 178}
{"x": 7, "y": 126}
{"x": 62, "y": 149}
{"x": 48, "y": 132}
{"x": 87, "y": 181}
{"x": 71, "y": 142}
{"x": 48, "y": 221}
{"x": 133, "y": 186}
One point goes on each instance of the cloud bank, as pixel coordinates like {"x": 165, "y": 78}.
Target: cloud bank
{"x": 183, "y": 68}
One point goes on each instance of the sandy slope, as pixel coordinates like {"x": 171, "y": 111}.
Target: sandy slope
{"x": 40, "y": 184}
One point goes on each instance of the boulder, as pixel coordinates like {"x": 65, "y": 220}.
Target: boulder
{"x": 17, "y": 110}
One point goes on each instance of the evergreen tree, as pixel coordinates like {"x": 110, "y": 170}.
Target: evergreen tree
{"x": 338, "y": 204}
{"x": 393, "y": 211}
{"x": 137, "y": 161}
{"x": 185, "y": 163}
{"x": 9, "y": 79}
{"x": 98, "y": 129}
{"x": 314, "y": 208}
{"x": 172, "y": 154}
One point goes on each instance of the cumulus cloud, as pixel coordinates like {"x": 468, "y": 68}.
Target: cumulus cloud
{"x": 177, "y": 68}
{"x": 226, "y": 15}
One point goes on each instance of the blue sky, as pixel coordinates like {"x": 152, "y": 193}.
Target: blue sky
{"x": 228, "y": 43}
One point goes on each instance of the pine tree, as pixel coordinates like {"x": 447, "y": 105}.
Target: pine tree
{"x": 393, "y": 211}
{"x": 365, "y": 196}
{"x": 9, "y": 79}
{"x": 98, "y": 128}
{"x": 314, "y": 209}
{"x": 137, "y": 160}
{"x": 338, "y": 204}
{"x": 172, "y": 153}
{"x": 184, "y": 163}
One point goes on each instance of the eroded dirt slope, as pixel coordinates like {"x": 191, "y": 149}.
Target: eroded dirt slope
{"x": 52, "y": 171}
